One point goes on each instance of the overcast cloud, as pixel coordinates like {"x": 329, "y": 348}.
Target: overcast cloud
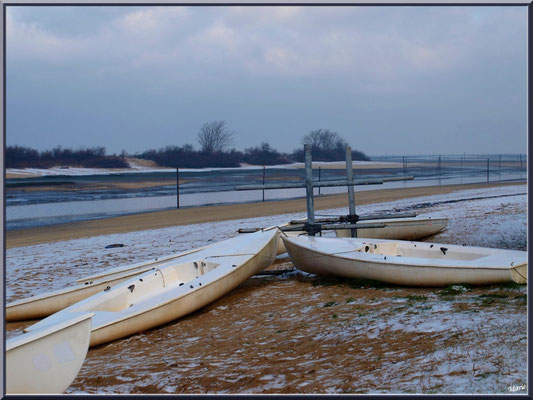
{"x": 396, "y": 80}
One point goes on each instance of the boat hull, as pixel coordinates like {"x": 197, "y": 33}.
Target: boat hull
{"x": 155, "y": 298}
{"x": 47, "y": 360}
{"x": 411, "y": 272}
{"x": 399, "y": 229}
{"x": 46, "y": 304}
{"x": 189, "y": 303}
{"x": 395, "y": 228}
{"x": 42, "y": 306}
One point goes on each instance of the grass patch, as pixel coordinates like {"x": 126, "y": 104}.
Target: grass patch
{"x": 351, "y": 282}
{"x": 522, "y": 297}
{"x": 350, "y": 300}
{"x": 494, "y": 295}
{"x": 416, "y": 298}
{"x": 487, "y": 301}
{"x": 330, "y": 304}
{"x": 334, "y": 316}
{"x": 452, "y": 290}
{"x": 510, "y": 285}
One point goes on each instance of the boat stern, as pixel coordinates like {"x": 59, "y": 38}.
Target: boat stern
{"x": 519, "y": 274}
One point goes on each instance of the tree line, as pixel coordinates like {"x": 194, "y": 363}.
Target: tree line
{"x": 93, "y": 157}
{"x": 215, "y": 141}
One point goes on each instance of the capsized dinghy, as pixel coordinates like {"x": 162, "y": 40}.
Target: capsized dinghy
{"x": 46, "y": 304}
{"x": 406, "y": 263}
{"x": 174, "y": 289}
{"x": 47, "y": 360}
{"x": 415, "y": 228}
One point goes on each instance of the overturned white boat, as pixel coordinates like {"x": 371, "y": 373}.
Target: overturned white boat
{"x": 406, "y": 263}
{"x": 173, "y": 289}
{"x": 49, "y": 359}
{"x": 414, "y": 228}
{"x": 46, "y": 304}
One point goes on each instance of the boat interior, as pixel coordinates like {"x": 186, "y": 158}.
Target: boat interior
{"x": 156, "y": 281}
{"x": 425, "y": 250}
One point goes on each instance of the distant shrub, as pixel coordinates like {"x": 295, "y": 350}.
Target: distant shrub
{"x": 25, "y": 157}
{"x": 326, "y": 145}
{"x": 187, "y": 157}
{"x": 265, "y": 155}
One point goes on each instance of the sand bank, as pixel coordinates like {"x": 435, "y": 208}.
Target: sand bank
{"x": 186, "y": 216}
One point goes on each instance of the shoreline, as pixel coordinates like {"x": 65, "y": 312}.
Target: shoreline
{"x": 203, "y": 214}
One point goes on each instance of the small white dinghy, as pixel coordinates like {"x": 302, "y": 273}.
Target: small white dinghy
{"x": 49, "y": 359}
{"x": 414, "y": 228}
{"x": 46, "y": 304}
{"x": 174, "y": 289}
{"x": 406, "y": 263}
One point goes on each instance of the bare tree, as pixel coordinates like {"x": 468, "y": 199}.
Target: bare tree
{"x": 324, "y": 139}
{"x": 215, "y": 137}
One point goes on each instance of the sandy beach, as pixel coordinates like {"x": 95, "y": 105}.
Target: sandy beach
{"x": 296, "y": 332}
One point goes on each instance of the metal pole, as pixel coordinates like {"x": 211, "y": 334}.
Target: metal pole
{"x": 520, "y": 160}
{"x": 319, "y": 178}
{"x": 488, "y": 159}
{"x": 351, "y": 196}
{"x": 309, "y": 187}
{"x": 263, "y": 183}
{"x": 178, "y": 187}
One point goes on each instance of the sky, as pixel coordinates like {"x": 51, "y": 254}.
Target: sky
{"x": 389, "y": 80}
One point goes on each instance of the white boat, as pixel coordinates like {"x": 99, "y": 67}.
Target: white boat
{"x": 414, "y": 228}
{"x": 47, "y": 360}
{"x": 406, "y": 263}
{"x": 46, "y": 304}
{"x": 174, "y": 289}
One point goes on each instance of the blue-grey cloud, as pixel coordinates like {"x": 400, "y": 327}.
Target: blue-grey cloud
{"x": 388, "y": 79}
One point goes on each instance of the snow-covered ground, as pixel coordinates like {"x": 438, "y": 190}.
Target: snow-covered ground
{"x": 67, "y": 260}
{"x": 75, "y": 171}
{"x": 295, "y": 333}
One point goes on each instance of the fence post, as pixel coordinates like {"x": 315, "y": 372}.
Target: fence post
{"x": 319, "y": 178}
{"x": 263, "y": 183}
{"x": 488, "y": 160}
{"x": 177, "y": 188}
{"x": 309, "y": 187}
{"x": 520, "y": 160}
{"x": 351, "y": 196}
{"x": 404, "y": 165}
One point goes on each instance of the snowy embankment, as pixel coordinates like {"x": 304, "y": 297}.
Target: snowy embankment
{"x": 135, "y": 168}
{"x": 494, "y": 217}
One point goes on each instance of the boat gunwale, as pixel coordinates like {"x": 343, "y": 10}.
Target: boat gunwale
{"x": 67, "y": 290}
{"x": 31, "y": 336}
{"x": 393, "y": 260}
{"x": 139, "y": 265}
{"x": 190, "y": 291}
